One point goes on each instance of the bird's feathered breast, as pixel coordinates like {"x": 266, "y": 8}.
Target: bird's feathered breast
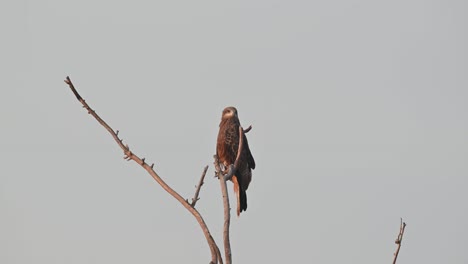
{"x": 228, "y": 144}
{"x": 228, "y": 140}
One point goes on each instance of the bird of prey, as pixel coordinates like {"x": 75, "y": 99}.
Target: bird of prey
{"x": 226, "y": 150}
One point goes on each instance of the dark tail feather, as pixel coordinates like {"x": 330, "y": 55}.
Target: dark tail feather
{"x": 243, "y": 200}
{"x": 241, "y": 196}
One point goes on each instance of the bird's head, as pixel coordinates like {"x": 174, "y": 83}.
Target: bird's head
{"x": 229, "y": 112}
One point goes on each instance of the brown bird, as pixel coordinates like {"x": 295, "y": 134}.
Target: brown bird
{"x": 226, "y": 149}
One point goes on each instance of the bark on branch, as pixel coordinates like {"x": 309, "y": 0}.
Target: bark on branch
{"x": 227, "y": 208}
{"x": 200, "y": 183}
{"x": 129, "y": 155}
{"x": 222, "y": 180}
{"x": 399, "y": 239}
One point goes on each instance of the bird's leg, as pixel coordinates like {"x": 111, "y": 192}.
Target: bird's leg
{"x": 222, "y": 168}
{"x": 229, "y": 172}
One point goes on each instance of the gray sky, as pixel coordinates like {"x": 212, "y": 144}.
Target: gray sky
{"x": 358, "y": 111}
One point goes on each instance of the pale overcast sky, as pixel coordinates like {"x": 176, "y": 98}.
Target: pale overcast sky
{"x": 359, "y": 115}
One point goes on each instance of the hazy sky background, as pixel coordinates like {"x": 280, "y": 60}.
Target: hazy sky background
{"x": 359, "y": 115}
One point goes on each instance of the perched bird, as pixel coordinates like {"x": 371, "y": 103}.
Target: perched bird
{"x": 226, "y": 150}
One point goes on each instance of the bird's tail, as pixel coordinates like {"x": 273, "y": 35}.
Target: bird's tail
{"x": 241, "y": 196}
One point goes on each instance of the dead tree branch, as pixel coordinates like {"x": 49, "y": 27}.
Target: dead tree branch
{"x": 197, "y": 191}
{"x": 222, "y": 179}
{"x": 227, "y": 208}
{"x": 399, "y": 239}
{"x": 129, "y": 155}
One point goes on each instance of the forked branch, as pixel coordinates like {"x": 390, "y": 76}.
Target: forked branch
{"x": 399, "y": 239}
{"x": 200, "y": 183}
{"x": 227, "y": 208}
{"x": 215, "y": 253}
{"x": 222, "y": 180}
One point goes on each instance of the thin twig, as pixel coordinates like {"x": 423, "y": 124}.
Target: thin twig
{"x": 399, "y": 239}
{"x": 215, "y": 253}
{"x": 247, "y": 129}
{"x": 197, "y": 191}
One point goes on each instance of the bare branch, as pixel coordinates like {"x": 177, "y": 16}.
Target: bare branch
{"x": 399, "y": 239}
{"x": 215, "y": 253}
{"x": 222, "y": 179}
{"x": 200, "y": 183}
{"x": 227, "y": 208}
